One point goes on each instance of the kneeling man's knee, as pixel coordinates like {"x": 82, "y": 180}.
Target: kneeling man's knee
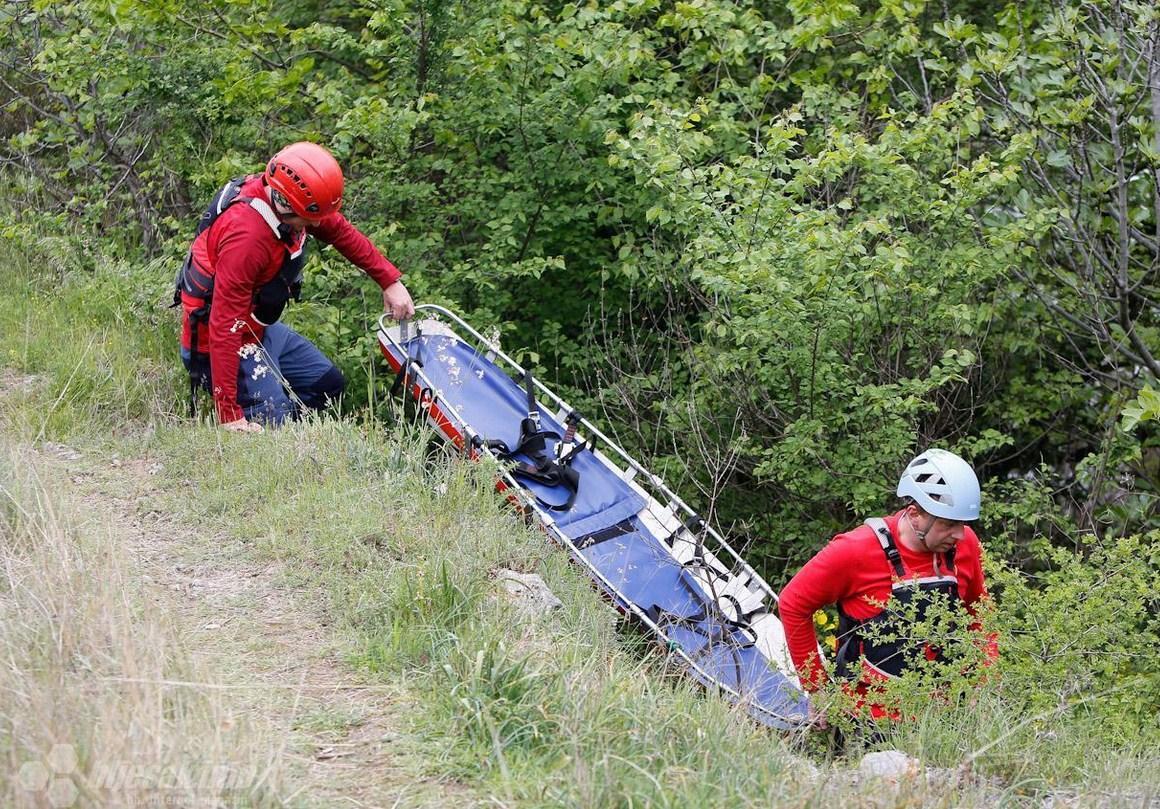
{"x": 329, "y": 387}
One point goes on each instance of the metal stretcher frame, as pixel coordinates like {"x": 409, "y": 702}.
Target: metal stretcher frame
{"x": 394, "y": 340}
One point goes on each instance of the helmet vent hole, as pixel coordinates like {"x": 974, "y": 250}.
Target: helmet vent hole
{"x": 932, "y": 479}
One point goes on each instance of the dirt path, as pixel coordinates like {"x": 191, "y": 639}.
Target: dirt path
{"x": 270, "y": 644}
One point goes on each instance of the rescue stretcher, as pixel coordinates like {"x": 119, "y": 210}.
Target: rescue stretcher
{"x": 647, "y": 551}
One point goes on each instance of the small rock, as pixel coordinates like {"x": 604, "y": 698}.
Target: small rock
{"x": 212, "y": 626}
{"x": 12, "y": 382}
{"x": 806, "y": 769}
{"x": 529, "y": 591}
{"x": 63, "y": 451}
{"x": 891, "y": 765}
{"x": 944, "y": 777}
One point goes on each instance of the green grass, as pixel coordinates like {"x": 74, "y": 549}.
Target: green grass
{"x": 565, "y": 709}
{"x": 100, "y": 344}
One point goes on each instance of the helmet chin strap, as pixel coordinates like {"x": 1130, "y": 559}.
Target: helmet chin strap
{"x": 921, "y": 535}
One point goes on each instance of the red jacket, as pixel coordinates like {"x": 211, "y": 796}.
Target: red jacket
{"x": 853, "y": 571}
{"x": 242, "y": 252}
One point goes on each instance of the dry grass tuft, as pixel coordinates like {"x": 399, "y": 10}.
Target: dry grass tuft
{"x": 100, "y": 702}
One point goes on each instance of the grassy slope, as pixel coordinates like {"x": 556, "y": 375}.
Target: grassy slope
{"x": 567, "y": 709}
{"x": 87, "y": 660}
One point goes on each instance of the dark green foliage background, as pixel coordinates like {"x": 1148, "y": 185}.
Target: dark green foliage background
{"x": 776, "y": 248}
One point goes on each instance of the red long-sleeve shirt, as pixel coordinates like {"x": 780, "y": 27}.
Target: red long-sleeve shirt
{"x": 853, "y": 572}
{"x": 242, "y": 252}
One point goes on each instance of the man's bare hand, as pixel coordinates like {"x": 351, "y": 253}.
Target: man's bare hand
{"x": 397, "y": 301}
{"x": 817, "y": 716}
{"x": 242, "y": 426}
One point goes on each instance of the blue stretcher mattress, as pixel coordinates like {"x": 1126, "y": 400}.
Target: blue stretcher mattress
{"x": 636, "y": 568}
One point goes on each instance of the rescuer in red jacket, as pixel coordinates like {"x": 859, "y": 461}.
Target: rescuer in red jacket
{"x": 244, "y": 265}
{"x": 885, "y": 573}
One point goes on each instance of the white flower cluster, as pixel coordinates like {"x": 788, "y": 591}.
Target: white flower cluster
{"x": 492, "y": 336}
{"x": 450, "y": 362}
{"x": 254, "y": 351}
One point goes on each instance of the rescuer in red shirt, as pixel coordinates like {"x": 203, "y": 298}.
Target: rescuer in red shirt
{"x": 885, "y": 573}
{"x": 244, "y": 265}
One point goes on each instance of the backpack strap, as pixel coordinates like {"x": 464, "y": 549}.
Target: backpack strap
{"x": 221, "y": 200}
{"x": 281, "y": 231}
{"x": 231, "y": 193}
{"x": 886, "y": 540}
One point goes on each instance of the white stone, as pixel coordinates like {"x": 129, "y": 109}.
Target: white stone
{"x": 806, "y": 769}
{"x": 891, "y": 765}
{"x": 529, "y": 591}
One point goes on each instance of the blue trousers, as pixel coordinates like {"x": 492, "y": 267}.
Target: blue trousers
{"x": 286, "y": 355}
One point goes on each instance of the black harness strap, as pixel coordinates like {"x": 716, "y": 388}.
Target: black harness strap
{"x": 694, "y": 525}
{"x": 570, "y": 423}
{"x": 543, "y": 468}
{"x": 198, "y": 360}
{"x": 886, "y": 540}
{"x": 546, "y": 471}
{"x": 849, "y": 645}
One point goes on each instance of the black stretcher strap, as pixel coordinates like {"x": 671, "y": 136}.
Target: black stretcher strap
{"x": 533, "y": 444}
{"x": 717, "y": 633}
{"x": 408, "y": 362}
{"x": 604, "y": 534}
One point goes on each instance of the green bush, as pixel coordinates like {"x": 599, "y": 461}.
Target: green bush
{"x": 1079, "y": 640}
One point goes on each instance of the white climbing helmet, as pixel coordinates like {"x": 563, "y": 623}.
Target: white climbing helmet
{"x": 942, "y": 484}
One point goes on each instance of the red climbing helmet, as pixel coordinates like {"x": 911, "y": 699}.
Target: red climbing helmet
{"x": 308, "y": 178}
